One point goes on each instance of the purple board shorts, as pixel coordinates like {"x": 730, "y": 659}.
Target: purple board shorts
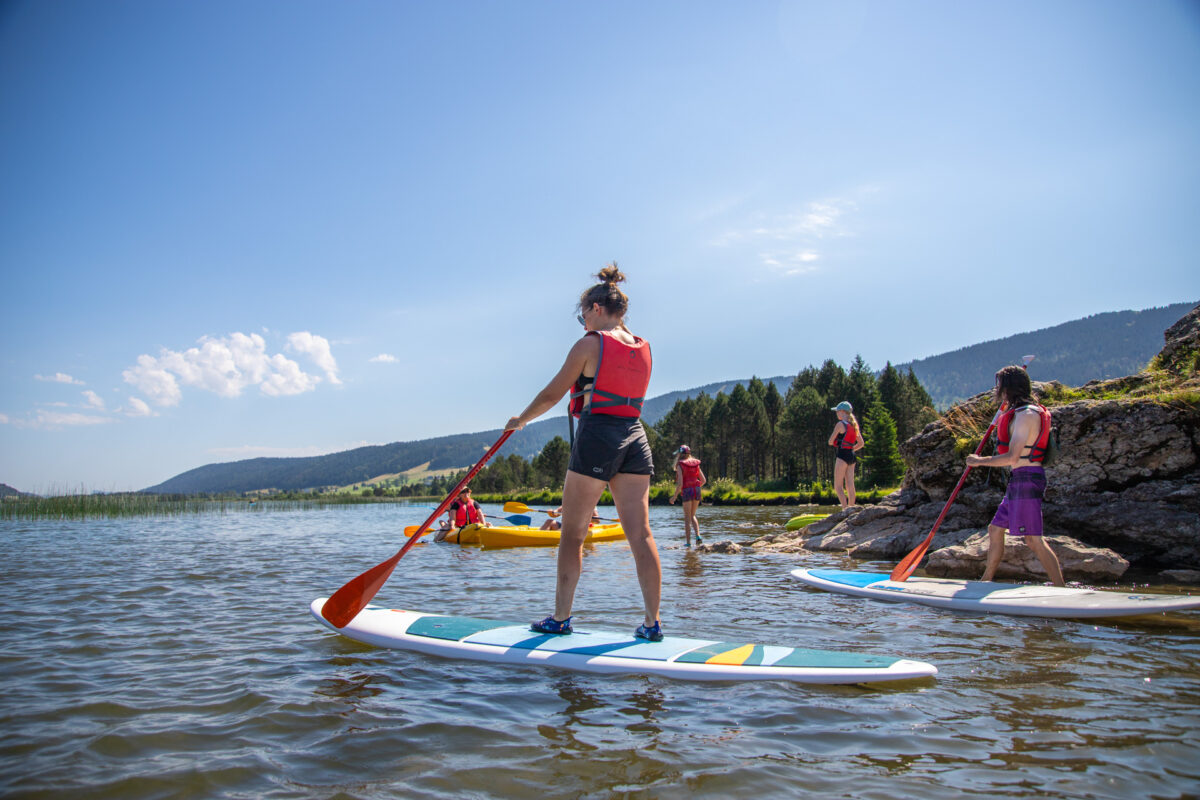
{"x": 1021, "y": 509}
{"x": 691, "y": 493}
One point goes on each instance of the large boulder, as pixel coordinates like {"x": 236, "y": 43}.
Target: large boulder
{"x": 1079, "y": 561}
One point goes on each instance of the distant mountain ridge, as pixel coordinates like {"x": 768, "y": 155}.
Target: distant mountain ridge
{"x": 1099, "y": 346}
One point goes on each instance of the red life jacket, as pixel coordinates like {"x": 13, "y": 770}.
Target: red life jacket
{"x": 622, "y": 377}
{"x": 691, "y": 472}
{"x": 848, "y": 438}
{"x": 466, "y": 513}
{"x": 1037, "y": 451}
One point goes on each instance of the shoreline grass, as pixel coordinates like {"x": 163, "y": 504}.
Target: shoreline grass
{"x": 136, "y": 504}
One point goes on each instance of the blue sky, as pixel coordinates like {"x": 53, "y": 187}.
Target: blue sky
{"x": 232, "y": 229}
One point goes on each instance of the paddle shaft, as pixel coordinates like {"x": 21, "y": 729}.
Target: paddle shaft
{"x": 352, "y": 598}
{"x": 909, "y": 564}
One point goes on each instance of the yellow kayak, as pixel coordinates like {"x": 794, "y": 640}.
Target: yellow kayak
{"x": 527, "y": 536}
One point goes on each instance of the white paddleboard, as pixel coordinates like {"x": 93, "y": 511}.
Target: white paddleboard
{"x": 999, "y": 598}
{"x": 611, "y": 652}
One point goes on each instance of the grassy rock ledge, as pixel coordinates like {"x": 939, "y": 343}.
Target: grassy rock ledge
{"x": 1125, "y": 491}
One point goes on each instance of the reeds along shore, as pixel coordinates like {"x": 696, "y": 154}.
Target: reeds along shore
{"x": 110, "y": 506}
{"x": 722, "y": 492}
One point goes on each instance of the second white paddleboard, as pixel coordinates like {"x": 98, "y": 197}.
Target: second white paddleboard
{"x": 1023, "y": 600}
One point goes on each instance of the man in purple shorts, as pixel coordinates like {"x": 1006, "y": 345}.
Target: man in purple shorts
{"x": 1023, "y": 433}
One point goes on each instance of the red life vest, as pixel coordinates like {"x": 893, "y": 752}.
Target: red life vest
{"x": 1037, "y": 451}
{"x": 622, "y": 377}
{"x": 466, "y": 513}
{"x": 691, "y": 472}
{"x": 848, "y": 438}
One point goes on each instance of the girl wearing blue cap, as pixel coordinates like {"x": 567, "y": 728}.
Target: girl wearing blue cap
{"x": 847, "y": 438}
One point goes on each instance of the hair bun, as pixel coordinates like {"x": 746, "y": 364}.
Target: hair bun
{"x": 610, "y": 274}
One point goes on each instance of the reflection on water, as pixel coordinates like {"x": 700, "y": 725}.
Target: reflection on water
{"x": 161, "y": 658}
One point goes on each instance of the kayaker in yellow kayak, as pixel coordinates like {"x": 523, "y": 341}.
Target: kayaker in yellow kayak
{"x": 607, "y": 372}
{"x": 552, "y": 524}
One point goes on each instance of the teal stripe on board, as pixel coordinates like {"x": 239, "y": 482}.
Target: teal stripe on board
{"x": 703, "y": 654}
{"x": 829, "y": 658}
{"x": 452, "y": 628}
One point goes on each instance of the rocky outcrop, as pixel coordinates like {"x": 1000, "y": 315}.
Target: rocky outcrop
{"x": 1127, "y": 478}
{"x": 1081, "y": 562}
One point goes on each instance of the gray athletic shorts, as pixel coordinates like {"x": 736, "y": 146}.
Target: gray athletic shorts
{"x": 607, "y": 444}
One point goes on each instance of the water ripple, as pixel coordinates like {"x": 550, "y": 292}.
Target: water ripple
{"x": 175, "y": 658}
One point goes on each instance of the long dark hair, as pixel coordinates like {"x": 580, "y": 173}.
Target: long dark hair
{"x": 1015, "y": 386}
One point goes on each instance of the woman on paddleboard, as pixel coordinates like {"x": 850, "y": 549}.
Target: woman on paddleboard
{"x": 847, "y": 438}
{"x": 607, "y": 372}
{"x": 688, "y": 480}
{"x": 1022, "y": 437}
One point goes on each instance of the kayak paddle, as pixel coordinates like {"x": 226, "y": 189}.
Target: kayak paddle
{"x": 521, "y": 508}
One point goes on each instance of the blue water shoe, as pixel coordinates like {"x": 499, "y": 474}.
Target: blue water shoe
{"x": 551, "y": 625}
{"x": 653, "y": 632}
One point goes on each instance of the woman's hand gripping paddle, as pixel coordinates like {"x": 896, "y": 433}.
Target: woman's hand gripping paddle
{"x": 908, "y": 565}
{"x": 352, "y": 598}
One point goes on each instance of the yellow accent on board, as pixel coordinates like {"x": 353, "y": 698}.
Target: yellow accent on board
{"x": 735, "y": 657}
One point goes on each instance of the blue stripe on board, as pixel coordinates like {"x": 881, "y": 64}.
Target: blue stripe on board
{"x": 451, "y": 628}
{"x": 829, "y": 659}
{"x": 848, "y": 578}
{"x": 581, "y": 642}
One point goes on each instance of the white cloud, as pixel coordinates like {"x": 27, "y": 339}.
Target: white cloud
{"x": 227, "y": 366}
{"x": 384, "y": 358}
{"x": 317, "y": 349}
{"x": 55, "y": 419}
{"x": 786, "y": 242}
{"x": 799, "y": 263}
{"x": 58, "y": 377}
{"x": 94, "y": 400}
{"x": 138, "y": 408}
{"x": 3, "y": 419}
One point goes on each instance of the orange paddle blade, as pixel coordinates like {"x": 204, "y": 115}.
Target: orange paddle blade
{"x": 352, "y": 598}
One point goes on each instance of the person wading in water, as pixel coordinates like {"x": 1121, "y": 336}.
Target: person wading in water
{"x": 688, "y": 480}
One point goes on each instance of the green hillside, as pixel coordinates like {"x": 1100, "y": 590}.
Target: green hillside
{"x": 1100, "y": 346}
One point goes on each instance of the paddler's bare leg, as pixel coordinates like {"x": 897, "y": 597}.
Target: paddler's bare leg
{"x": 631, "y": 493}
{"x": 580, "y": 495}
{"x": 1048, "y": 559}
{"x": 995, "y": 553}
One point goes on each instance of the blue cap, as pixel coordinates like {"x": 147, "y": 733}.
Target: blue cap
{"x": 843, "y": 406}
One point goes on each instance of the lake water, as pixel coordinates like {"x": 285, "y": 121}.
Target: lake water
{"x": 164, "y": 658}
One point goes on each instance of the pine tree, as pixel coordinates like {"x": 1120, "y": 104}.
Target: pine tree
{"x": 550, "y": 465}
{"x": 881, "y": 452}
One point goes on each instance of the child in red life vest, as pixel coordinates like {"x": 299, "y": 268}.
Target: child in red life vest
{"x": 464, "y": 511}
{"x": 688, "y": 480}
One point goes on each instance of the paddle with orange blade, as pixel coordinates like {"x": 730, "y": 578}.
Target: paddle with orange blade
{"x": 352, "y": 598}
{"x": 908, "y": 565}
